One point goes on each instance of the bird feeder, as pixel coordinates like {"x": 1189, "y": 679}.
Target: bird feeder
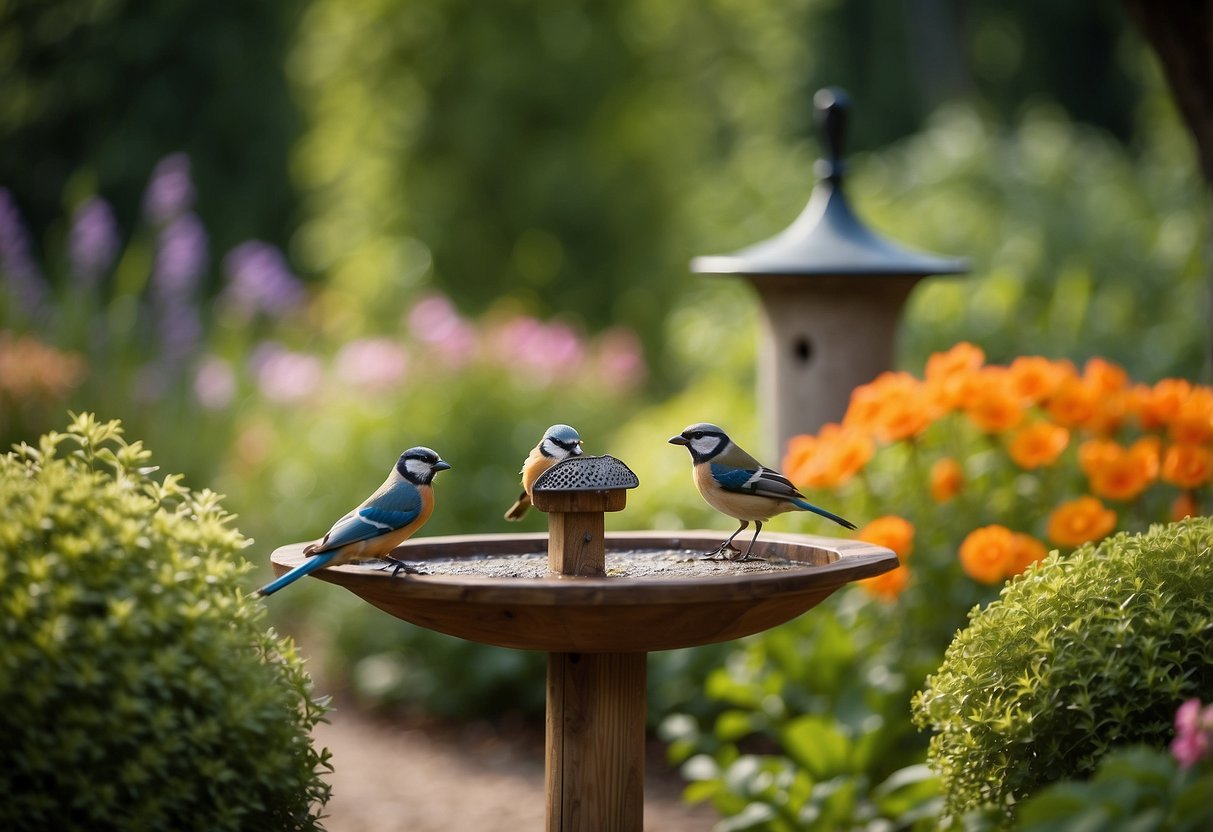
{"x": 832, "y": 291}
{"x": 597, "y": 604}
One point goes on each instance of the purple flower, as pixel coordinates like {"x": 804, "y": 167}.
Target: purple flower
{"x": 259, "y": 281}
{"x": 93, "y": 243}
{"x": 284, "y": 376}
{"x": 1193, "y": 733}
{"x": 17, "y": 265}
{"x": 374, "y": 364}
{"x": 181, "y": 256}
{"x": 170, "y": 192}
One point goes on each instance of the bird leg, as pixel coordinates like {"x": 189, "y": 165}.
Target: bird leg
{"x": 397, "y": 566}
{"x": 727, "y": 546}
{"x": 747, "y": 556}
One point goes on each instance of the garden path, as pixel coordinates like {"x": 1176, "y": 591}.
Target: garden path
{"x": 426, "y": 777}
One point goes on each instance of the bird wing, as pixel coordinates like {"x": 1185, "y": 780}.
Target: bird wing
{"x": 762, "y": 481}
{"x": 385, "y": 511}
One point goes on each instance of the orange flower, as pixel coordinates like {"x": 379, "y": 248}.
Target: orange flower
{"x": 799, "y": 457}
{"x": 1035, "y": 378}
{"x": 1161, "y": 403}
{"x": 1185, "y": 505}
{"x": 947, "y": 478}
{"x": 991, "y": 401}
{"x": 1188, "y": 466}
{"x": 988, "y": 553}
{"x": 1105, "y": 376}
{"x": 1078, "y": 521}
{"x": 1116, "y": 472}
{"x": 1193, "y": 422}
{"x": 890, "y": 531}
{"x": 1038, "y": 444}
{"x": 960, "y": 360}
{"x": 887, "y": 585}
{"x": 1095, "y": 454}
{"x": 893, "y": 406}
{"x": 1111, "y": 412}
{"x": 1074, "y": 402}
{"x": 948, "y": 374}
{"x": 1027, "y": 550}
{"x": 829, "y": 459}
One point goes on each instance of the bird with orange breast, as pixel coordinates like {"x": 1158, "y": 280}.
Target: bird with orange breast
{"x": 383, "y": 521}
{"x": 736, "y": 484}
{"x": 559, "y": 442}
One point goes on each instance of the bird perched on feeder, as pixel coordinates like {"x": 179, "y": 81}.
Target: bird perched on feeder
{"x": 736, "y": 484}
{"x": 383, "y": 521}
{"x": 559, "y": 442}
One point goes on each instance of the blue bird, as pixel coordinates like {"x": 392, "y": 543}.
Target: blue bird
{"x": 736, "y": 484}
{"x": 383, "y": 521}
{"x": 559, "y": 442}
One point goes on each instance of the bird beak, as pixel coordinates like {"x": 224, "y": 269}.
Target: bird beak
{"x": 679, "y": 440}
{"x": 442, "y": 465}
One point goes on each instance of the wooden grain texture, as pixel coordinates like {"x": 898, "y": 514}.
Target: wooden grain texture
{"x": 575, "y": 543}
{"x": 614, "y": 499}
{"x": 605, "y": 614}
{"x": 595, "y": 742}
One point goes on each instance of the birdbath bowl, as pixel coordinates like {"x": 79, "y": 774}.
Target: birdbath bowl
{"x": 597, "y": 604}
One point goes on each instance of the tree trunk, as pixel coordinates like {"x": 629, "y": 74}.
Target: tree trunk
{"x": 1181, "y": 33}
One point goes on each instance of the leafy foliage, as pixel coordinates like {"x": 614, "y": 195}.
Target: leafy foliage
{"x": 139, "y": 686}
{"x": 1078, "y": 657}
{"x": 1132, "y": 789}
{"x": 809, "y": 729}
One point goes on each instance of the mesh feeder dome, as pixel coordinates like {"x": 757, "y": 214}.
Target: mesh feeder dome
{"x": 587, "y": 473}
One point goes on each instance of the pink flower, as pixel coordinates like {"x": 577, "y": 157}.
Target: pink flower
{"x": 285, "y": 376}
{"x": 214, "y": 383}
{"x": 435, "y": 322}
{"x": 375, "y": 364}
{"x": 620, "y": 359}
{"x": 1193, "y": 733}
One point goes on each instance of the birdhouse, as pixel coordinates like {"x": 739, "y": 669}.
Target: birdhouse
{"x": 832, "y": 291}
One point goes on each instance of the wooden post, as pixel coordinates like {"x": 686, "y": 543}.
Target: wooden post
{"x": 596, "y": 702}
{"x": 594, "y": 772}
{"x": 576, "y": 523}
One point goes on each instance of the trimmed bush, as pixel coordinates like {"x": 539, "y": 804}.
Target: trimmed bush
{"x": 139, "y": 685}
{"x": 1078, "y": 657}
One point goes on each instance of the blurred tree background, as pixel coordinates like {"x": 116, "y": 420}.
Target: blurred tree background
{"x": 572, "y": 155}
{"x": 340, "y": 227}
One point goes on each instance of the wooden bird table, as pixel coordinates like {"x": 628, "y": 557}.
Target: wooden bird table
{"x": 597, "y": 605}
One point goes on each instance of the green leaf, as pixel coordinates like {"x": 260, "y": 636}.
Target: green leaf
{"x": 817, "y": 744}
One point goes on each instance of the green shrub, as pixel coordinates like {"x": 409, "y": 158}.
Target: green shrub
{"x": 1076, "y": 658}
{"x": 139, "y": 686}
{"x": 1133, "y": 789}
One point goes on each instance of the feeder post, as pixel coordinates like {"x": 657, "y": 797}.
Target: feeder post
{"x": 596, "y": 702}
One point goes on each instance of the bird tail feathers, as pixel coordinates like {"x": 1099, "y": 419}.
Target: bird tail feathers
{"x": 807, "y": 506}
{"x": 519, "y": 509}
{"x": 306, "y": 568}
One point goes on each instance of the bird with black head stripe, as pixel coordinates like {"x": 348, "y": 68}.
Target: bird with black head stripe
{"x": 734, "y": 483}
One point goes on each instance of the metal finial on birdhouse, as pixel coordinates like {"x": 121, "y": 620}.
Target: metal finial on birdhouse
{"x": 576, "y": 493}
{"x": 832, "y": 291}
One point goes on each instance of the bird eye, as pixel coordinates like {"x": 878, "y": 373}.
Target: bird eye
{"x": 697, "y": 435}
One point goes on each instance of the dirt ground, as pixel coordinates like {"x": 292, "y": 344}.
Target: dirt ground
{"x": 428, "y": 777}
